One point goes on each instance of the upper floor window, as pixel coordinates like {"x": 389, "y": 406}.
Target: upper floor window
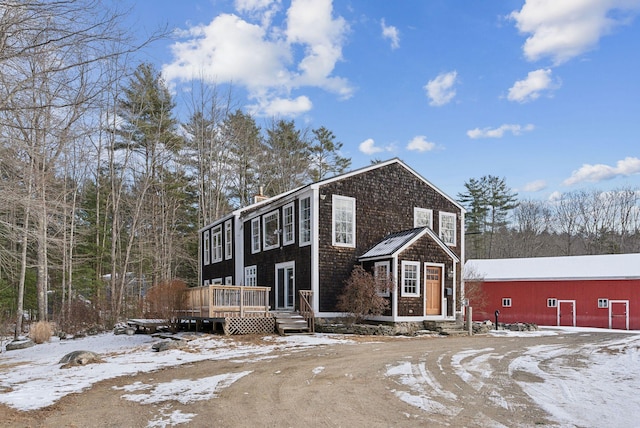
{"x": 251, "y": 276}
{"x": 288, "y": 227}
{"x": 448, "y": 228}
{"x": 410, "y": 278}
{"x": 383, "y": 278}
{"x": 422, "y": 217}
{"x": 206, "y": 247}
{"x": 216, "y": 244}
{"x": 344, "y": 221}
{"x": 255, "y": 235}
{"x": 228, "y": 240}
{"x": 271, "y": 230}
{"x": 305, "y": 220}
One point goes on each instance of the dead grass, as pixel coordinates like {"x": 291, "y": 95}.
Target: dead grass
{"x": 40, "y": 332}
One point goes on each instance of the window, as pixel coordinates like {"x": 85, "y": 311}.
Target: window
{"x": 448, "y": 228}
{"x": 255, "y": 235}
{"x": 206, "y": 282}
{"x": 288, "y": 228}
{"x": 344, "y": 221}
{"x": 216, "y": 238}
{"x": 228, "y": 280}
{"x": 552, "y": 303}
{"x": 251, "y": 276}
{"x": 206, "y": 247}
{"x": 305, "y": 221}
{"x": 603, "y": 303}
{"x": 217, "y": 281}
{"x": 382, "y": 276}
{"x": 506, "y": 302}
{"x": 271, "y": 230}
{"x": 410, "y": 279}
{"x": 422, "y": 217}
{"x": 228, "y": 240}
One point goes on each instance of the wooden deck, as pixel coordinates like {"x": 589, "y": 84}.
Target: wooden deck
{"x": 239, "y": 309}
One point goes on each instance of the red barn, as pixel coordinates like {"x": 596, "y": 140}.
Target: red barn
{"x": 586, "y": 291}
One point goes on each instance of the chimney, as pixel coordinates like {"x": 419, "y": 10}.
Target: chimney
{"x": 260, "y": 196}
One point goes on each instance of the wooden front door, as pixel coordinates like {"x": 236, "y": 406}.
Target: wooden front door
{"x": 619, "y": 314}
{"x": 433, "y": 290}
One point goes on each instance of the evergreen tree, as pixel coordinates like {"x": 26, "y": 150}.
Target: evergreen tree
{"x": 488, "y": 201}
{"x": 288, "y": 158}
{"x": 325, "y": 155}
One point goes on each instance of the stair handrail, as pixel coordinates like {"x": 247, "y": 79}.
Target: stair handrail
{"x": 306, "y": 310}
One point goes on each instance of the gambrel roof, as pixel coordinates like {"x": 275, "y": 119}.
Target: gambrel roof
{"x": 605, "y": 266}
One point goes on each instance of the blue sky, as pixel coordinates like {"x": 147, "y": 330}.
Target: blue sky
{"x": 544, "y": 93}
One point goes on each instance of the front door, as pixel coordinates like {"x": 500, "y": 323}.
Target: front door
{"x": 567, "y": 313}
{"x": 619, "y": 314}
{"x": 285, "y": 286}
{"x": 433, "y": 290}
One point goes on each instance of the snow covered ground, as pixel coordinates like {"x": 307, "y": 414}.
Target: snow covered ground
{"x": 596, "y": 387}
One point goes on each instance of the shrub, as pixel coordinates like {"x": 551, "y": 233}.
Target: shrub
{"x": 164, "y": 300}
{"x": 41, "y": 332}
{"x": 360, "y": 296}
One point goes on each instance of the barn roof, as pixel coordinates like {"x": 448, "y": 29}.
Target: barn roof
{"x": 606, "y": 266}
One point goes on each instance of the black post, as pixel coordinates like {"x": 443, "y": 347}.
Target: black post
{"x": 497, "y": 312}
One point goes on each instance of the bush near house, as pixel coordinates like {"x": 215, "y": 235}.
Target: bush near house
{"x": 164, "y": 300}
{"x": 360, "y": 296}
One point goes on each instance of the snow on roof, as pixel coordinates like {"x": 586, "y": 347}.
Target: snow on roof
{"x": 607, "y": 266}
{"x": 392, "y": 243}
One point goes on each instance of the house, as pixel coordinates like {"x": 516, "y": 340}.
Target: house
{"x": 385, "y": 217}
{"x": 586, "y": 291}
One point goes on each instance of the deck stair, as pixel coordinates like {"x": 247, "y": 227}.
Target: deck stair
{"x": 290, "y": 322}
{"x": 446, "y": 328}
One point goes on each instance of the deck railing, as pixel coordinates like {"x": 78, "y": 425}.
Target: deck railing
{"x": 306, "y": 310}
{"x": 223, "y": 301}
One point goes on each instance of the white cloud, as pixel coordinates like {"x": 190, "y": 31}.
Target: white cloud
{"x": 440, "y": 90}
{"x": 499, "y": 132}
{"x": 565, "y": 29}
{"x": 282, "y": 107}
{"x": 555, "y": 196}
{"x": 594, "y": 173}
{"x": 535, "y": 186}
{"x": 390, "y": 32}
{"x": 264, "y": 57}
{"x": 420, "y": 144}
{"x": 530, "y": 88}
{"x": 368, "y": 147}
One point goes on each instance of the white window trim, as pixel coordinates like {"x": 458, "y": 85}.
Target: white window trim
{"x": 216, "y": 281}
{"x": 276, "y": 244}
{"x": 402, "y": 289}
{"x": 292, "y": 225}
{"x": 387, "y": 263}
{"x": 443, "y": 215}
{"x": 506, "y": 302}
{"x": 206, "y": 247}
{"x": 228, "y": 280}
{"x": 603, "y": 303}
{"x": 303, "y": 220}
{"x": 216, "y": 249}
{"x": 418, "y": 210}
{"x": 251, "y": 273}
{"x": 255, "y": 235}
{"x": 228, "y": 240}
{"x": 334, "y": 199}
{"x": 552, "y": 302}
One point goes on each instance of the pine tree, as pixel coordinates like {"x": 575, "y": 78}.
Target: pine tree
{"x": 325, "y": 155}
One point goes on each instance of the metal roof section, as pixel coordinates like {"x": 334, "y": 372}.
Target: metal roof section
{"x": 399, "y": 241}
{"x": 392, "y": 243}
{"x": 605, "y": 266}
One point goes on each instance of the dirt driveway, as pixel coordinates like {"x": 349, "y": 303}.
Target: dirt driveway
{"x": 372, "y": 383}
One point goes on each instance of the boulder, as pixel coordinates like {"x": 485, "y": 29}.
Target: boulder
{"x": 19, "y": 344}
{"x": 165, "y": 345}
{"x": 79, "y": 358}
